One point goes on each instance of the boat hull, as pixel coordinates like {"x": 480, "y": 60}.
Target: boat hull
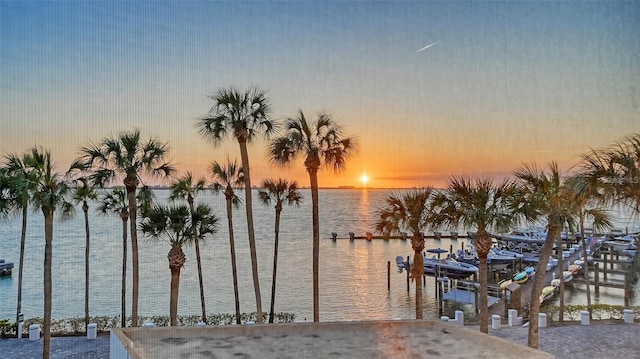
{"x": 451, "y": 269}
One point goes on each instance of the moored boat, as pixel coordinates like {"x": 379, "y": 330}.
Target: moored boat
{"x": 548, "y": 292}
{"x": 621, "y": 243}
{"x": 449, "y": 268}
{"x": 523, "y": 277}
{"x": 527, "y": 240}
{"x": 568, "y": 277}
{"x": 574, "y": 269}
{"x": 5, "y": 268}
{"x": 402, "y": 263}
{"x": 498, "y": 259}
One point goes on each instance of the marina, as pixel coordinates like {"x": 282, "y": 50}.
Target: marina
{"x": 602, "y": 256}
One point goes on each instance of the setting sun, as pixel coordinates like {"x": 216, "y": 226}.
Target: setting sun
{"x": 364, "y": 179}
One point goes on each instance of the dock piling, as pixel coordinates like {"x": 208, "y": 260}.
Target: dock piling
{"x": 408, "y": 270}
{"x": 388, "y": 275}
{"x": 597, "y": 278}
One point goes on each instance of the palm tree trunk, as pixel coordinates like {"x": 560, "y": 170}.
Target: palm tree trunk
{"x": 482, "y": 243}
{"x": 561, "y": 266}
{"x": 419, "y": 306}
{"x": 275, "y": 266}
{"x": 123, "y": 300}
{"x": 483, "y": 304}
{"x": 200, "y": 281}
{"x": 234, "y": 268}
{"x": 252, "y": 239}
{"x": 198, "y": 263}
{"x": 417, "y": 271}
{"x": 173, "y": 300}
{"x": 23, "y": 237}
{"x": 538, "y": 283}
{"x": 133, "y": 214}
{"x": 586, "y": 264}
{"x": 313, "y": 179}
{"x": 48, "y": 289}
{"x": 85, "y": 209}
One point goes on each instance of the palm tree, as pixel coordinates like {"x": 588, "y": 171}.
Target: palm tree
{"x": 322, "y": 143}
{"x": 245, "y": 115}
{"x": 176, "y": 225}
{"x": 50, "y": 195}
{"x": 482, "y": 204}
{"x": 116, "y": 202}
{"x": 227, "y": 177}
{"x": 615, "y": 171}
{"x": 628, "y": 159}
{"x": 83, "y": 192}
{"x": 583, "y": 193}
{"x": 19, "y": 186}
{"x": 408, "y": 211}
{"x": 128, "y": 156}
{"x": 542, "y": 196}
{"x": 185, "y": 188}
{"x": 280, "y": 191}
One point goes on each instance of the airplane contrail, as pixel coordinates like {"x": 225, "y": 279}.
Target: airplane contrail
{"x": 428, "y": 46}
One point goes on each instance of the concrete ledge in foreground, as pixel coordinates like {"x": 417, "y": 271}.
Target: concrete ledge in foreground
{"x": 369, "y": 339}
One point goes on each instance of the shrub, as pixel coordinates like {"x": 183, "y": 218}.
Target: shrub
{"x": 6, "y": 327}
{"x": 599, "y": 311}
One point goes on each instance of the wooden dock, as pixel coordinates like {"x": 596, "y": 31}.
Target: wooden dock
{"x": 403, "y": 236}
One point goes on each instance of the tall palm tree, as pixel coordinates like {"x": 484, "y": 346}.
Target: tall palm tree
{"x": 185, "y": 188}
{"x": 245, "y": 115}
{"x": 279, "y": 191}
{"x": 116, "y": 202}
{"x": 175, "y": 225}
{"x": 225, "y": 178}
{"x": 320, "y": 143}
{"x": 408, "y": 211}
{"x": 583, "y": 193}
{"x": 542, "y": 196}
{"x": 19, "y": 186}
{"x": 479, "y": 203}
{"x": 83, "y": 192}
{"x": 128, "y": 156}
{"x": 50, "y": 195}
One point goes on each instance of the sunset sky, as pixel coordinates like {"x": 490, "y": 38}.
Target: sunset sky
{"x": 507, "y": 83}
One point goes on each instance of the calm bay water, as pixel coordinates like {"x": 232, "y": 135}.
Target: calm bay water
{"x": 353, "y": 275}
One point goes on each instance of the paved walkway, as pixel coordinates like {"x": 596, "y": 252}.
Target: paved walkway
{"x": 61, "y": 348}
{"x": 575, "y": 341}
{"x": 602, "y": 341}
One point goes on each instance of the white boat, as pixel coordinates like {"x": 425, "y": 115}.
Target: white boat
{"x": 568, "y": 277}
{"x": 449, "y": 268}
{"x": 5, "y": 267}
{"x": 505, "y": 253}
{"x": 440, "y": 267}
{"x": 522, "y": 240}
{"x": 621, "y": 243}
{"x": 402, "y": 263}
